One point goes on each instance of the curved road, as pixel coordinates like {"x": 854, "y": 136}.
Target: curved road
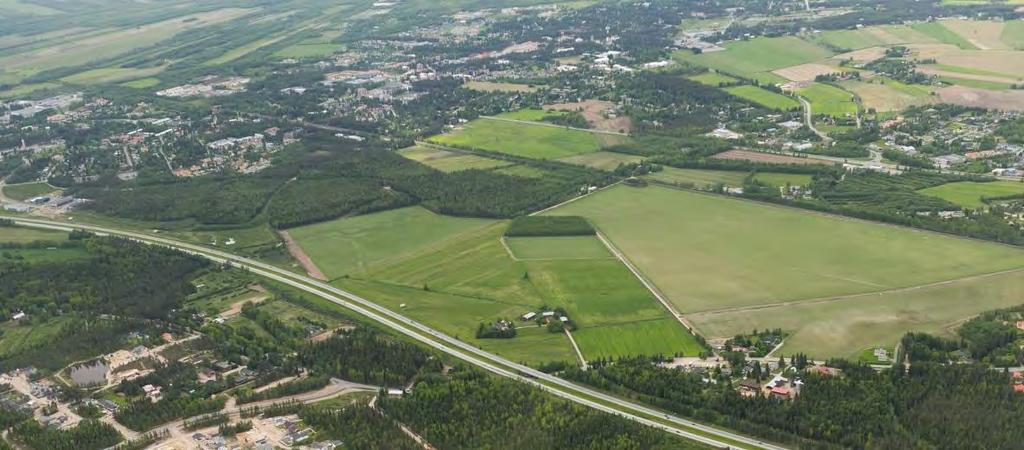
{"x": 682, "y": 427}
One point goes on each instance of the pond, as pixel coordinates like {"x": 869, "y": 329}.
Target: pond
{"x": 90, "y": 373}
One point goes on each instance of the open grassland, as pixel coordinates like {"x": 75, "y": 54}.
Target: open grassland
{"x": 142, "y": 83}
{"x": 850, "y": 39}
{"x": 477, "y": 268}
{"x": 763, "y": 97}
{"x": 521, "y": 139}
{"x": 747, "y": 58}
{"x": 350, "y": 245}
{"x": 26, "y": 191}
{"x": 939, "y": 32}
{"x": 1013, "y": 34}
{"x": 829, "y": 100}
{"x": 488, "y": 86}
{"x": 603, "y": 160}
{"x": 650, "y": 337}
{"x": 11, "y": 9}
{"x": 530, "y": 114}
{"x": 884, "y": 95}
{"x": 114, "y": 42}
{"x": 808, "y": 72}
{"x": 111, "y": 75}
{"x": 708, "y": 252}
{"x": 449, "y": 161}
{"x": 23, "y": 235}
{"x": 982, "y": 34}
{"x": 840, "y": 328}
{"x": 969, "y": 193}
{"x": 712, "y": 79}
{"x": 309, "y": 50}
{"x": 556, "y": 247}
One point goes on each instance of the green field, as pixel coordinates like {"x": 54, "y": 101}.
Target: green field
{"x": 26, "y": 191}
{"x": 311, "y": 50}
{"x": 533, "y": 115}
{"x": 1013, "y": 34}
{"x": 734, "y": 265}
{"x": 24, "y": 235}
{"x": 829, "y": 100}
{"x": 480, "y": 277}
{"x": 142, "y": 83}
{"x": 603, "y": 160}
{"x": 709, "y": 252}
{"x": 758, "y": 55}
{"x": 980, "y": 84}
{"x": 350, "y": 245}
{"x": 449, "y": 161}
{"x": 556, "y": 247}
{"x": 704, "y": 178}
{"x": 849, "y": 39}
{"x": 942, "y": 34}
{"x": 764, "y": 97}
{"x": 712, "y": 79}
{"x": 521, "y": 139}
{"x": 969, "y": 193}
{"x": 651, "y": 337}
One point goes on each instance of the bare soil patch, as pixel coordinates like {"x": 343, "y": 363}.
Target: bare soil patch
{"x": 983, "y": 98}
{"x": 300, "y": 255}
{"x": 597, "y": 114}
{"x": 806, "y": 72}
{"x": 750, "y": 155}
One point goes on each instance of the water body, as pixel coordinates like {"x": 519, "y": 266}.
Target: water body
{"x": 91, "y": 373}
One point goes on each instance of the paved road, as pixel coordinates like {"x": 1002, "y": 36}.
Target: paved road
{"x": 439, "y": 341}
{"x": 809, "y": 120}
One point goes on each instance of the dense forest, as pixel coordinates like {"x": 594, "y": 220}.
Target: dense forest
{"x": 87, "y": 435}
{"x": 926, "y": 406}
{"x": 364, "y": 356}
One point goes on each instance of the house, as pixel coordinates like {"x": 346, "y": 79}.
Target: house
{"x": 529, "y": 316}
{"x": 881, "y": 354}
{"x": 548, "y": 314}
{"x": 167, "y": 337}
{"x": 749, "y": 388}
{"x": 18, "y": 315}
{"x": 1018, "y": 388}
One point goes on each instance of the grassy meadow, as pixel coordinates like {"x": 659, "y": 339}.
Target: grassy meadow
{"x": 704, "y": 178}
{"x": 521, "y": 139}
{"x": 449, "y": 161}
{"x": 758, "y": 55}
{"x": 556, "y": 247}
{"x": 602, "y": 160}
{"x": 26, "y": 191}
{"x": 764, "y": 97}
{"x": 829, "y": 100}
{"x": 353, "y": 244}
{"x": 969, "y": 193}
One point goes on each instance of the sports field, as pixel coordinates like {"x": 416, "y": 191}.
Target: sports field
{"x": 577, "y": 274}
{"x": 350, "y": 245}
{"x": 838, "y": 284}
{"x": 521, "y": 139}
{"x": 829, "y": 100}
{"x": 449, "y": 161}
{"x": 969, "y": 193}
{"x": 764, "y": 97}
{"x": 758, "y": 55}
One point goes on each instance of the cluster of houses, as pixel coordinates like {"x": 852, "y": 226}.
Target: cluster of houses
{"x": 210, "y": 86}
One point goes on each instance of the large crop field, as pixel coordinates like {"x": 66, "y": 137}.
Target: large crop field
{"x": 481, "y": 276}
{"x": 521, "y": 139}
{"x": 350, "y": 245}
{"x": 449, "y": 161}
{"x": 969, "y": 193}
{"x": 884, "y": 95}
{"x": 603, "y": 160}
{"x": 758, "y": 55}
{"x": 764, "y": 97}
{"x": 714, "y": 255}
{"x": 829, "y": 100}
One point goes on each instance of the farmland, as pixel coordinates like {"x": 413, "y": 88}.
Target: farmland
{"x": 763, "y": 97}
{"x": 829, "y": 100}
{"x": 556, "y": 247}
{"x": 713, "y": 78}
{"x": 713, "y": 255}
{"x": 520, "y": 139}
{"x": 351, "y": 245}
{"x": 885, "y": 95}
{"x": 449, "y": 161}
{"x": 602, "y": 160}
{"x": 23, "y": 235}
{"x": 758, "y": 55}
{"x": 969, "y": 193}
{"x": 704, "y": 178}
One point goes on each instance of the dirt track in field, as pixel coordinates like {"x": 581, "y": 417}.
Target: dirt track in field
{"x": 300, "y": 255}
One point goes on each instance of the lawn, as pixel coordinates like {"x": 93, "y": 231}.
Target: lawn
{"x": 26, "y": 191}
{"x": 603, "y": 160}
{"x": 353, "y": 244}
{"x": 709, "y": 252}
{"x": 758, "y": 55}
{"x": 521, "y": 139}
{"x": 969, "y": 193}
{"x": 713, "y": 79}
{"x": 477, "y": 269}
{"x": 556, "y": 247}
{"x": 764, "y": 97}
{"x": 829, "y": 100}
{"x": 449, "y": 161}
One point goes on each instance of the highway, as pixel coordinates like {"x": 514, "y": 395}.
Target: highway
{"x": 496, "y": 364}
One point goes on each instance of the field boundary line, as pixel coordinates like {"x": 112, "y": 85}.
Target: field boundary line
{"x": 507, "y": 248}
{"x": 650, "y": 286}
{"x": 301, "y": 256}
{"x": 551, "y": 125}
{"x": 574, "y": 199}
{"x": 836, "y": 298}
{"x": 579, "y": 354}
